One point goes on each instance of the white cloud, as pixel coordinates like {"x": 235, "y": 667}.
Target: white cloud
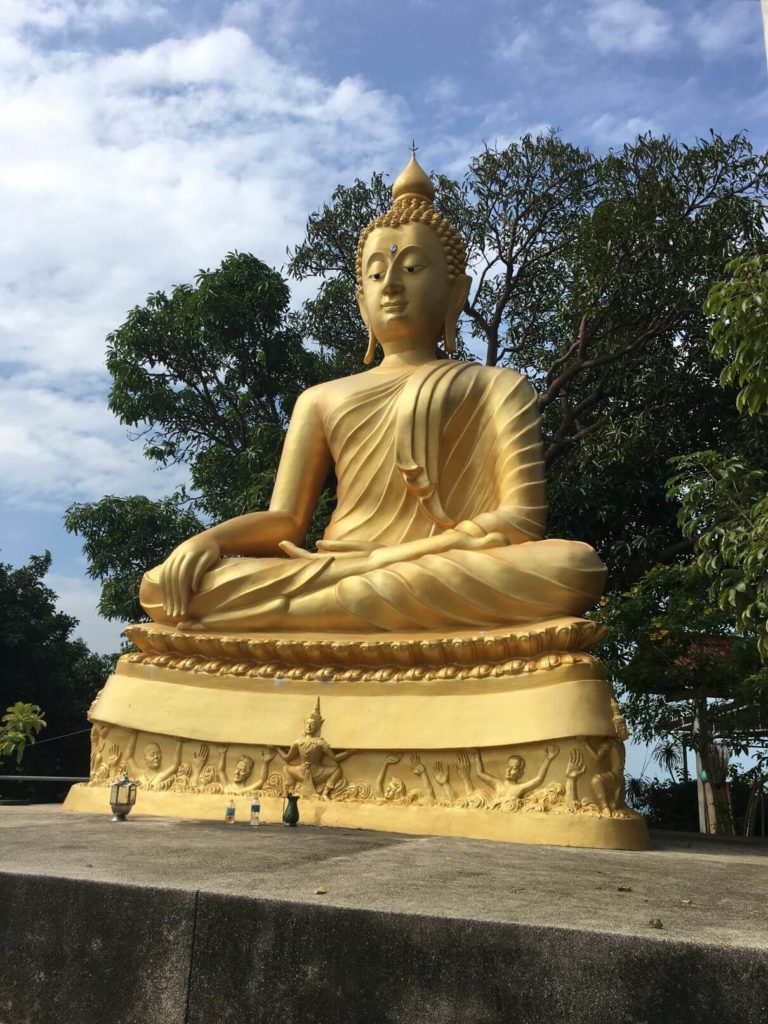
{"x": 85, "y": 14}
{"x": 614, "y": 130}
{"x": 726, "y": 28}
{"x": 442, "y": 90}
{"x": 59, "y": 445}
{"x": 520, "y": 44}
{"x": 123, "y": 173}
{"x": 628, "y": 26}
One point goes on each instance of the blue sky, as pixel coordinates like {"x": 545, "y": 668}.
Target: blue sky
{"x": 143, "y": 139}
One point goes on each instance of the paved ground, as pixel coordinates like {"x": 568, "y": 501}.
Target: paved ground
{"x": 702, "y": 890}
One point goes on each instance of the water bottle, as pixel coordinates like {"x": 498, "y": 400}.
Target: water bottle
{"x": 229, "y": 814}
{"x": 255, "y": 812}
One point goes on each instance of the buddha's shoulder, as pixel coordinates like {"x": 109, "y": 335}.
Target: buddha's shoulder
{"x": 502, "y": 378}
{"x": 331, "y": 390}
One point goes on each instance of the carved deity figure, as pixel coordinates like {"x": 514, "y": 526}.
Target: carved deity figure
{"x": 310, "y": 765}
{"x": 441, "y": 503}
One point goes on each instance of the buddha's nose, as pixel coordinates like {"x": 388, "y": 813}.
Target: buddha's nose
{"x": 393, "y": 282}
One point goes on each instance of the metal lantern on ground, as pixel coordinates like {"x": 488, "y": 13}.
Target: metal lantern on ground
{"x": 122, "y": 797}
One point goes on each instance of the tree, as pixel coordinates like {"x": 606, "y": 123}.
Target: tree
{"x": 723, "y": 494}
{"x": 43, "y": 665}
{"x": 674, "y": 657}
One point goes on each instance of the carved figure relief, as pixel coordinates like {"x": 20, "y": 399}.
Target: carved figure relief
{"x": 511, "y": 789}
{"x": 149, "y": 772}
{"x": 490, "y": 780}
{"x": 311, "y": 768}
{"x": 608, "y": 781}
{"x": 99, "y": 733}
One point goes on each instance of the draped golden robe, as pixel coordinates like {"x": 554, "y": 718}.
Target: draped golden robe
{"x": 416, "y": 452}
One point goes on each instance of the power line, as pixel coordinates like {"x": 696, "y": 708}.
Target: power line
{"x": 52, "y": 739}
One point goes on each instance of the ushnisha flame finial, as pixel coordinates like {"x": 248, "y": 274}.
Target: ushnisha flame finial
{"x": 413, "y": 183}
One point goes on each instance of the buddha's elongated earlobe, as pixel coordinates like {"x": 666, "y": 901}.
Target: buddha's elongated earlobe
{"x": 370, "y": 352}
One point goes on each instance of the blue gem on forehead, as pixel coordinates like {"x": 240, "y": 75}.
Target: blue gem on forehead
{"x": 393, "y": 248}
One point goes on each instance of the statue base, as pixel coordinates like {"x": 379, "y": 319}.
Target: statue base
{"x": 508, "y": 735}
{"x": 579, "y": 830}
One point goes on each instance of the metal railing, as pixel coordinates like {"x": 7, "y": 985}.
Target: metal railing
{"x": 43, "y": 778}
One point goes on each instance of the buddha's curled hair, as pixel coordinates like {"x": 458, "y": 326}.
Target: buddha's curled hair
{"x": 413, "y": 193}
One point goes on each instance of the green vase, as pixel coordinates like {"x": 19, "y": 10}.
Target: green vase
{"x": 291, "y": 812}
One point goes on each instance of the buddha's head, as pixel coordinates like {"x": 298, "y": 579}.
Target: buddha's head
{"x": 243, "y": 768}
{"x": 314, "y": 722}
{"x": 410, "y": 266}
{"x": 515, "y": 768}
{"x": 152, "y": 756}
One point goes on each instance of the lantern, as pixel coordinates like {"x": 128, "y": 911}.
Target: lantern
{"x": 122, "y": 797}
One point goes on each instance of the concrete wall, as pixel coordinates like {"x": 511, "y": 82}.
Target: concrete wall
{"x": 84, "y": 952}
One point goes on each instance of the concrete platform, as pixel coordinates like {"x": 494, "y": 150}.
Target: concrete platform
{"x": 160, "y": 921}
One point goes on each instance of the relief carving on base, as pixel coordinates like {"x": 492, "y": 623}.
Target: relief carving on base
{"x": 535, "y": 778}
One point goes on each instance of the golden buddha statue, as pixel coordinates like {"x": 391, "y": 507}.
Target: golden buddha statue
{"x": 441, "y": 502}
{"x": 437, "y": 621}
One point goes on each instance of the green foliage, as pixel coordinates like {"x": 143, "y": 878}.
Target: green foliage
{"x": 723, "y": 495}
{"x": 42, "y": 665}
{"x": 665, "y": 805}
{"x": 671, "y": 654}
{"x": 739, "y": 305}
{"x": 724, "y": 507}
{"x": 122, "y": 539}
{"x": 20, "y": 725}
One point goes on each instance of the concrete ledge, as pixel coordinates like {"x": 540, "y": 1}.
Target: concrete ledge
{"x": 176, "y": 922}
{"x": 315, "y": 965}
{"x": 76, "y": 952}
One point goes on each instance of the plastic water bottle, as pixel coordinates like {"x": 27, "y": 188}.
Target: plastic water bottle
{"x": 255, "y": 812}
{"x": 229, "y": 814}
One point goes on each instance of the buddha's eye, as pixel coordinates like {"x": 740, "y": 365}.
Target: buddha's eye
{"x": 376, "y": 276}
{"x": 412, "y": 268}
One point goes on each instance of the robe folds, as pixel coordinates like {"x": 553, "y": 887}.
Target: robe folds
{"x": 416, "y": 451}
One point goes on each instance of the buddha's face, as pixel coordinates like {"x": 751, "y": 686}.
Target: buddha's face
{"x": 515, "y": 768}
{"x": 243, "y": 769}
{"x": 152, "y": 756}
{"x": 406, "y": 291}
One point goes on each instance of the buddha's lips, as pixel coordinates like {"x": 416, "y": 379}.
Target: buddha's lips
{"x": 394, "y": 307}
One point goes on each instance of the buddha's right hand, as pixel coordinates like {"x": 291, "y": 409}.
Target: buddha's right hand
{"x": 183, "y": 570}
